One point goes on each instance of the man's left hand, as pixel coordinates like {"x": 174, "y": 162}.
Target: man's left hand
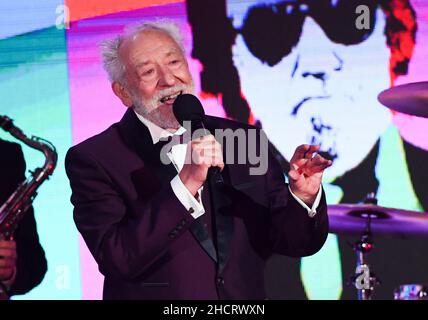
{"x": 7, "y": 259}
{"x": 306, "y": 171}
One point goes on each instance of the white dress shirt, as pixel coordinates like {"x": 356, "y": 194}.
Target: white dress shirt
{"x": 177, "y": 156}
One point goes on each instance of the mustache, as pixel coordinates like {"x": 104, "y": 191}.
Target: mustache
{"x": 149, "y": 106}
{"x": 169, "y": 91}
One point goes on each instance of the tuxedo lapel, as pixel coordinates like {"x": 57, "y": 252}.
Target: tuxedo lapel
{"x": 201, "y": 234}
{"x": 138, "y": 138}
{"x": 223, "y": 222}
{"x": 221, "y": 203}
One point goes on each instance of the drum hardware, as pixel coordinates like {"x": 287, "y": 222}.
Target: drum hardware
{"x": 364, "y": 279}
{"x": 365, "y": 220}
{"x": 411, "y": 292}
{"x": 411, "y": 98}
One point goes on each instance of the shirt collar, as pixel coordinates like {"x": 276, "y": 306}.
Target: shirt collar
{"x": 157, "y": 132}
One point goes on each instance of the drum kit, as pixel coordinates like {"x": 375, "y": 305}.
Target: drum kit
{"x": 369, "y": 218}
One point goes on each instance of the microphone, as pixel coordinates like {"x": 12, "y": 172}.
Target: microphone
{"x": 187, "y": 107}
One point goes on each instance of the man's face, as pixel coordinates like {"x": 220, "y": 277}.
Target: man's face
{"x": 321, "y": 92}
{"x": 156, "y": 73}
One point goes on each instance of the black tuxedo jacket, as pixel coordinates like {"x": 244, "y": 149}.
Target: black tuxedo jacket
{"x": 149, "y": 247}
{"x": 31, "y": 261}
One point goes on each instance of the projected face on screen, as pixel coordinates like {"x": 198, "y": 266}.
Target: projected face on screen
{"x": 308, "y": 81}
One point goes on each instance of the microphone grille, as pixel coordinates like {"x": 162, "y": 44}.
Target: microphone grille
{"x": 187, "y": 107}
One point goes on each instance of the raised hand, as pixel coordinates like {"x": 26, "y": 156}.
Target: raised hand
{"x": 306, "y": 171}
{"x": 202, "y": 153}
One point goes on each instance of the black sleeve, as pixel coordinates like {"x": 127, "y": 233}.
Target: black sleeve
{"x": 12, "y": 168}
{"x": 31, "y": 261}
{"x": 293, "y": 232}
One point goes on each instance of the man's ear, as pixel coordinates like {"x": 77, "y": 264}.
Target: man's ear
{"x": 122, "y": 93}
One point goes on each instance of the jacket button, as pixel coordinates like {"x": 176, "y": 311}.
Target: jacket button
{"x": 172, "y": 234}
{"x": 316, "y": 224}
{"x": 220, "y": 281}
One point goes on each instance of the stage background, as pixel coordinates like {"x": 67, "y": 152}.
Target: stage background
{"x": 52, "y": 85}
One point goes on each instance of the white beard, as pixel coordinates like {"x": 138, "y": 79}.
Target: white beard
{"x": 155, "y": 111}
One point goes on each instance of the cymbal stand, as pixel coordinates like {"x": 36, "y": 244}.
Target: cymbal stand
{"x": 364, "y": 280}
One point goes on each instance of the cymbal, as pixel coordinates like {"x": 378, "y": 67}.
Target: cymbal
{"x": 352, "y": 219}
{"x": 411, "y": 98}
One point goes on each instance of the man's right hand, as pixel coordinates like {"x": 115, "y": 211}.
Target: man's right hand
{"x": 202, "y": 153}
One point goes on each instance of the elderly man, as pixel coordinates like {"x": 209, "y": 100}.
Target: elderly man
{"x": 162, "y": 231}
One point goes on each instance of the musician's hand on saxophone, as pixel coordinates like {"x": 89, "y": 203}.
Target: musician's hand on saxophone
{"x": 7, "y": 261}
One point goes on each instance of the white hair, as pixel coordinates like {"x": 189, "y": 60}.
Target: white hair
{"x": 110, "y": 47}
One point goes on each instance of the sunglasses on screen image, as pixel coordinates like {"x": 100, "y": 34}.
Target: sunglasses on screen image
{"x": 270, "y": 31}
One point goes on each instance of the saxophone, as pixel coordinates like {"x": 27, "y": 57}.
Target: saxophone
{"x": 12, "y": 211}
